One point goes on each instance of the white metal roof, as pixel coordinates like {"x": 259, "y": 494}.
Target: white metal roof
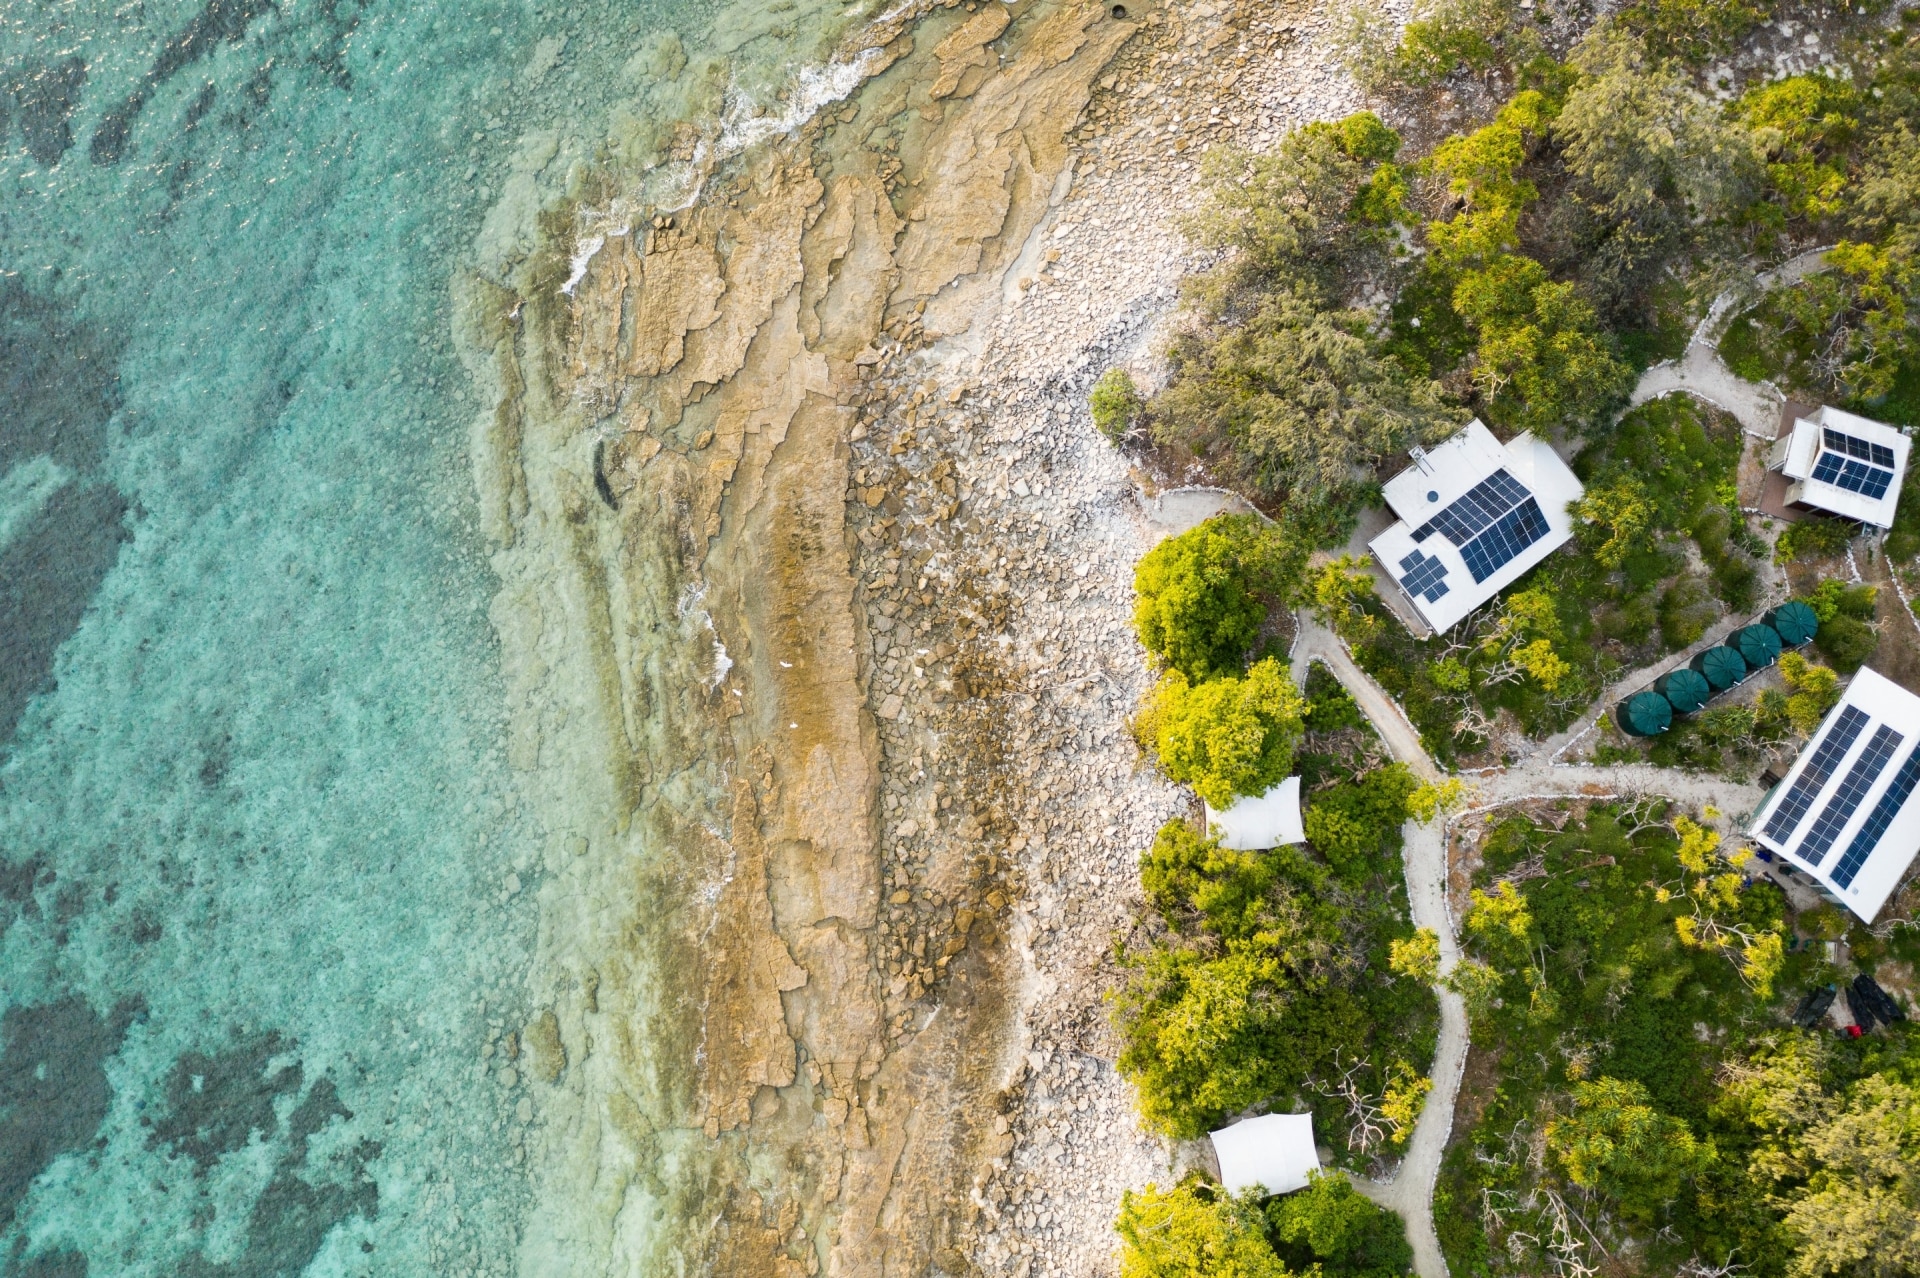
{"x": 1265, "y": 821}
{"x": 1274, "y": 1151}
{"x": 1440, "y": 477}
{"x": 1847, "y": 814}
{"x": 1797, "y": 455}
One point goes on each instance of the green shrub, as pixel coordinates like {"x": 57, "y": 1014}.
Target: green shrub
{"x": 1193, "y": 1231}
{"x": 1195, "y": 882}
{"x": 1847, "y": 637}
{"x": 1816, "y": 538}
{"x": 1617, "y": 1142}
{"x": 1116, "y": 404}
{"x": 1329, "y": 1224}
{"x": 1228, "y": 737}
{"x": 1198, "y": 596}
{"x": 1355, "y": 823}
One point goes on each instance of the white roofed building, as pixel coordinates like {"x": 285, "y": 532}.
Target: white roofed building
{"x": 1274, "y": 1151}
{"x": 1474, "y": 515}
{"x": 1264, "y": 821}
{"x": 1843, "y": 464}
{"x": 1845, "y": 814}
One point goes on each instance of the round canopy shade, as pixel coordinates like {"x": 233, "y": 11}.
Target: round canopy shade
{"x": 1794, "y": 622}
{"x": 1687, "y": 690}
{"x": 1722, "y": 667}
{"x": 1645, "y": 714}
{"x": 1759, "y": 645}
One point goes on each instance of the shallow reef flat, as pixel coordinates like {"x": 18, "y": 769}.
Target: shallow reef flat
{"x": 743, "y": 1082}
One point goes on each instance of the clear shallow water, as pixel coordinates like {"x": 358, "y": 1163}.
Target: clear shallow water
{"x": 265, "y": 887}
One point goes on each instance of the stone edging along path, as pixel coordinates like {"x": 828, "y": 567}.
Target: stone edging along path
{"x": 1539, "y": 775}
{"x": 1410, "y": 1192}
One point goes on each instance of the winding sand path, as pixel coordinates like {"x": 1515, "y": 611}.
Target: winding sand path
{"x": 1410, "y": 1192}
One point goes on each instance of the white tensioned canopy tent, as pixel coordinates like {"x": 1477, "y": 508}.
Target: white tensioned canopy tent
{"x": 1263, "y": 821}
{"x": 1844, "y": 815}
{"x": 1274, "y": 1151}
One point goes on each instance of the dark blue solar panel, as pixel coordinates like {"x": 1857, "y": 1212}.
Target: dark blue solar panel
{"x": 1813, "y": 778}
{"x": 1468, "y": 516}
{"x": 1423, "y": 575}
{"x": 1492, "y": 550}
{"x": 1852, "y": 476}
{"x": 1847, "y": 796}
{"x": 1878, "y": 820}
{"x": 1853, "y": 446}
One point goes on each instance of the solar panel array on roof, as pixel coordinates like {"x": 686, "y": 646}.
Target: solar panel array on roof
{"x": 1813, "y": 778}
{"x": 1878, "y": 820}
{"x": 1847, "y": 795}
{"x": 1512, "y": 533}
{"x": 1424, "y": 575}
{"x": 1467, "y": 516}
{"x": 1852, "y": 476}
{"x": 1853, "y": 446}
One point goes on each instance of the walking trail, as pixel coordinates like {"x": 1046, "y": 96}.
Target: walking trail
{"x": 1410, "y": 1192}
{"x": 1699, "y": 372}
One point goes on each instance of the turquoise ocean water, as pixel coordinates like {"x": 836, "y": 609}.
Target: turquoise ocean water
{"x": 262, "y": 902}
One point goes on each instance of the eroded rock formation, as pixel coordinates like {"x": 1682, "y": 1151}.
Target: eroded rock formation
{"x": 731, "y": 1081}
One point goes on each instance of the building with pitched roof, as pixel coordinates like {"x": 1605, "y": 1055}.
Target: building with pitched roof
{"x": 1845, "y": 815}
{"x": 1474, "y": 515}
{"x": 1842, "y": 464}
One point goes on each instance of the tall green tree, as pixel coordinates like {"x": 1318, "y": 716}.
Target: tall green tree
{"x": 1651, "y": 159}
{"x": 1193, "y": 1231}
{"x": 1296, "y": 399}
{"x": 1227, "y": 737}
{"x": 1200, "y": 598}
{"x": 1617, "y": 1142}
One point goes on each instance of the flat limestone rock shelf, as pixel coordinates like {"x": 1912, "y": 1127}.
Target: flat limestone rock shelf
{"x": 733, "y": 1084}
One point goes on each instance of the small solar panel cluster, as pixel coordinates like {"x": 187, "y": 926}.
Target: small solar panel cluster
{"x": 1423, "y": 575}
{"x": 1854, "y": 476}
{"x": 1492, "y": 522}
{"x": 1850, "y": 765}
{"x": 1839, "y": 441}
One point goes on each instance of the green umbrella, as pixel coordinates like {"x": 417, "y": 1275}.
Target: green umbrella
{"x": 1722, "y": 667}
{"x": 1646, "y": 714}
{"x": 1759, "y": 645}
{"x": 1794, "y": 622}
{"x": 1687, "y": 690}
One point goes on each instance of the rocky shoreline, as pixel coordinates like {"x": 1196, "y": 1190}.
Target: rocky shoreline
{"x": 816, "y": 587}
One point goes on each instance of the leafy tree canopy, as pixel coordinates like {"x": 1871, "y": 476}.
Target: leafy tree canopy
{"x": 1193, "y": 1231}
{"x": 1228, "y": 737}
{"x": 1194, "y": 881}
{"x": 1199, "y": 598}
{"x": 1615, "y": 1141}
{"x": 1296, "y": 400}
{"x": 1328, "y": 1223}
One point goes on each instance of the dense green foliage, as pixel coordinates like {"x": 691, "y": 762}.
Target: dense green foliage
{"x": 1196, "y": 1230}
{"x": 1283, "y": 387}
{"x": 1329, "y": 1224}
{"x": 1229, "y": 736}
{"x": 1200, "y": 598}
{"x": 1115, "y": 404}
{"x": 1263, "y": 976}
{"x": 1846, "y": 635}
{"x": 1633, "y": 1028}
{"x": 1842, "y": 162}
